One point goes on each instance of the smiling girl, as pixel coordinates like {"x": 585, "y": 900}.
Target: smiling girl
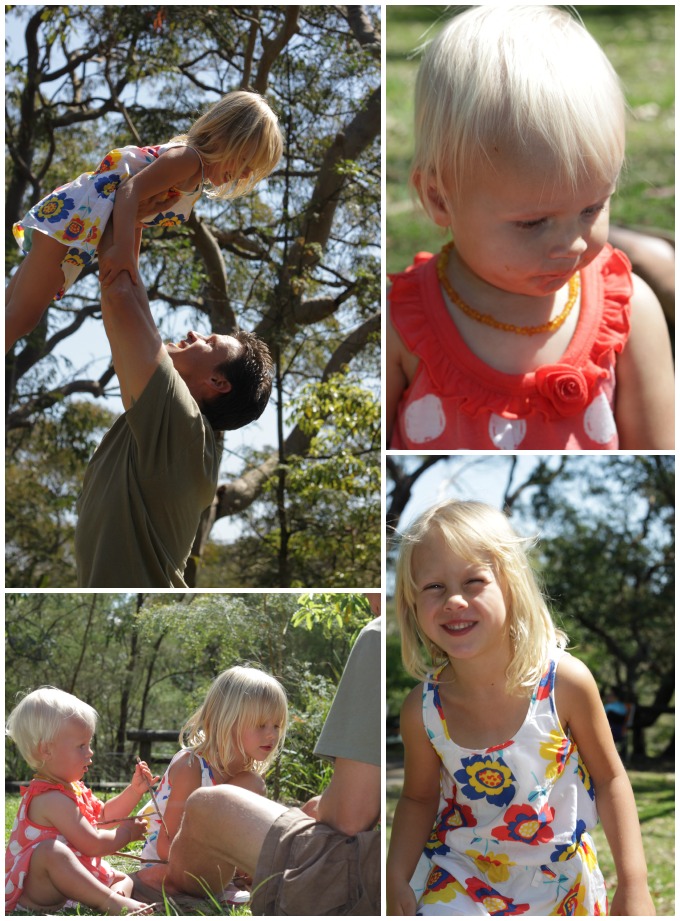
{"x": 528, "y": 330}
{"x": 509, "y": 759}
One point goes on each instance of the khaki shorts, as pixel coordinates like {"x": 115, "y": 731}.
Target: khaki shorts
{"x": 306, "y": 868}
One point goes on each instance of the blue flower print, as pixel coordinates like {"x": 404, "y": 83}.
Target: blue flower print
{"x": 107, "y": 184}
{"x": 54, "y": 208}
{"x": 567, "y": 851}
{"x": 482, "y": 777}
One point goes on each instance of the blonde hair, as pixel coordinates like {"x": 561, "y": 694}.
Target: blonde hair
{"x": 39, "y": 717}
{"x": 479, "y": 533}
{"x": 501, "y": 78}
{"x": 239, "y": 126}
{"x": 240, "y": 698}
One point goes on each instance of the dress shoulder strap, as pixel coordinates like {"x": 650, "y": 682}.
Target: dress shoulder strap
{"x": 200, "y": 160}
{"x": 169, "y": 146}
{"x": 543, "y": 696}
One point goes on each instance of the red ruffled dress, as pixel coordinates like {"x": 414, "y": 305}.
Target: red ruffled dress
{"x": 26, "y": 836}
{"x": 456, "y": 401}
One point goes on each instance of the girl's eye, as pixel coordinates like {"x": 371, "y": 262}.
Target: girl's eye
{"x": 593, "y": 211}
{"x": 530, "y": 225}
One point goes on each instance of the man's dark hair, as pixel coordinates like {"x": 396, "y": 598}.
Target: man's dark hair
{"x": 250, "y": 376}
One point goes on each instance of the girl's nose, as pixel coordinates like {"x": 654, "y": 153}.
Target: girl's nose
{"x": 568, "y": 245}
{"x": 456, "y": 600}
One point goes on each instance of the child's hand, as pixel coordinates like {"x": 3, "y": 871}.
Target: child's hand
{"x": 142, "y": 779}
{"x": 632, "y": 901}
{"x": 156, "y": 204}
{"x": 137, "y": 828}
{"x": 401, "y": 899}
{"x": 311, "y": 808}
{"x": 112, "y": 262}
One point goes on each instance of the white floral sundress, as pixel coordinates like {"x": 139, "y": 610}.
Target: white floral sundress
{"x": 511, "y": 836}
{"x": 162, "y": 794}
{"x": 76, "y": 214}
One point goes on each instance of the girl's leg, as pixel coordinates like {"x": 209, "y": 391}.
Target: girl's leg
{"x": 55, "y": 875}
{"x": 32, "y": 287}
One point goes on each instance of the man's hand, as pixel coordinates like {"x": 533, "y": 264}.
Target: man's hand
{"x": 112, "y": 262}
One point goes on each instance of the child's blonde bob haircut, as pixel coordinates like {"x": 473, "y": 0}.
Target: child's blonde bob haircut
{"x": 40, "y": 716}
{"x": 240, "y": 127}
{"x": 478, "y": 533}
{"x": 511, "y": 80}
{"x": 240, "y": 698}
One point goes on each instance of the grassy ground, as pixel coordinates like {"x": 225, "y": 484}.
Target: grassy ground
{"x": 655, "y": 798}
{"x": 210, "y": 907}
{"x": 638, "y": 41}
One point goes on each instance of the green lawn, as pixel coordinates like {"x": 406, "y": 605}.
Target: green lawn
{"x": 120, "y": 863}
{"x": 639, "y": 43}
{"x": 655, "y": 798}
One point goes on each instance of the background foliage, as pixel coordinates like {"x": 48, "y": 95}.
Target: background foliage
{"x": 297, "y": 261}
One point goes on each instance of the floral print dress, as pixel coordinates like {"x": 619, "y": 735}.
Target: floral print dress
{"x": 511, "y": 836}
{"x": 162, "y": 794}
{"x": 76, "y": 214}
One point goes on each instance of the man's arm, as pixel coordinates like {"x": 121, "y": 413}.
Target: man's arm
{"x": 351, "y": 801}
{"x": 136, "y": 345}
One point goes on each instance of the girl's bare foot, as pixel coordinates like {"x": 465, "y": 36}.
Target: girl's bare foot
{"x": 117, "y": 904}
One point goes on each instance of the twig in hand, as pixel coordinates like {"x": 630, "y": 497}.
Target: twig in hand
{"x": 136, "y": 857}
{"x": 127, "y": 818}
{"x": 154, "y": 800}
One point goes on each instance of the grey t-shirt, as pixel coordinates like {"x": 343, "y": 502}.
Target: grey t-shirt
{"x": 352, "y": 727}
{"x": 145, "y": 488}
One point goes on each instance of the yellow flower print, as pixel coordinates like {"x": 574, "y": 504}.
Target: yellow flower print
{"x": 441, "y": 887}
{"x": 574, "y": 901}
{"x": 495, "y": 867}
{"x": 109, "y": 161}
{"x": 557, "y": 752}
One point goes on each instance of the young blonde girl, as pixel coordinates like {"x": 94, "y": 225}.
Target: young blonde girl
{"x": 528, "y": 330}
{"x": 62, "y": 830}
{"x": 228, "y": 150}
{"x": 233, "y": 738}
{"x": 509, "y": 759}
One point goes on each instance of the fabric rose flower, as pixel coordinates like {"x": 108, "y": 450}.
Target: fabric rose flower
{"x": 567, "y": 388}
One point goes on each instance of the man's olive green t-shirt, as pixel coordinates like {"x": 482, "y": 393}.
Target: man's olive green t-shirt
{"x": 352, "y": 727}
{"x": 145, "y": 488}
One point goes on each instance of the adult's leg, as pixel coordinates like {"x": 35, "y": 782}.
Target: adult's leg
{"x": 223, "y": 827}
{"x": 55, "y": 875}
{"x": 33, "y": 287}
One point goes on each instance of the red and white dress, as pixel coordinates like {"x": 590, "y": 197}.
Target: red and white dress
{"x": 26, "y": 836}
{"x": 456, "y": 401}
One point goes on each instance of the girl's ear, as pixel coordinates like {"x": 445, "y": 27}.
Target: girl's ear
{"x": 432, "y": 199}
{"x": 44, "y": 750}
